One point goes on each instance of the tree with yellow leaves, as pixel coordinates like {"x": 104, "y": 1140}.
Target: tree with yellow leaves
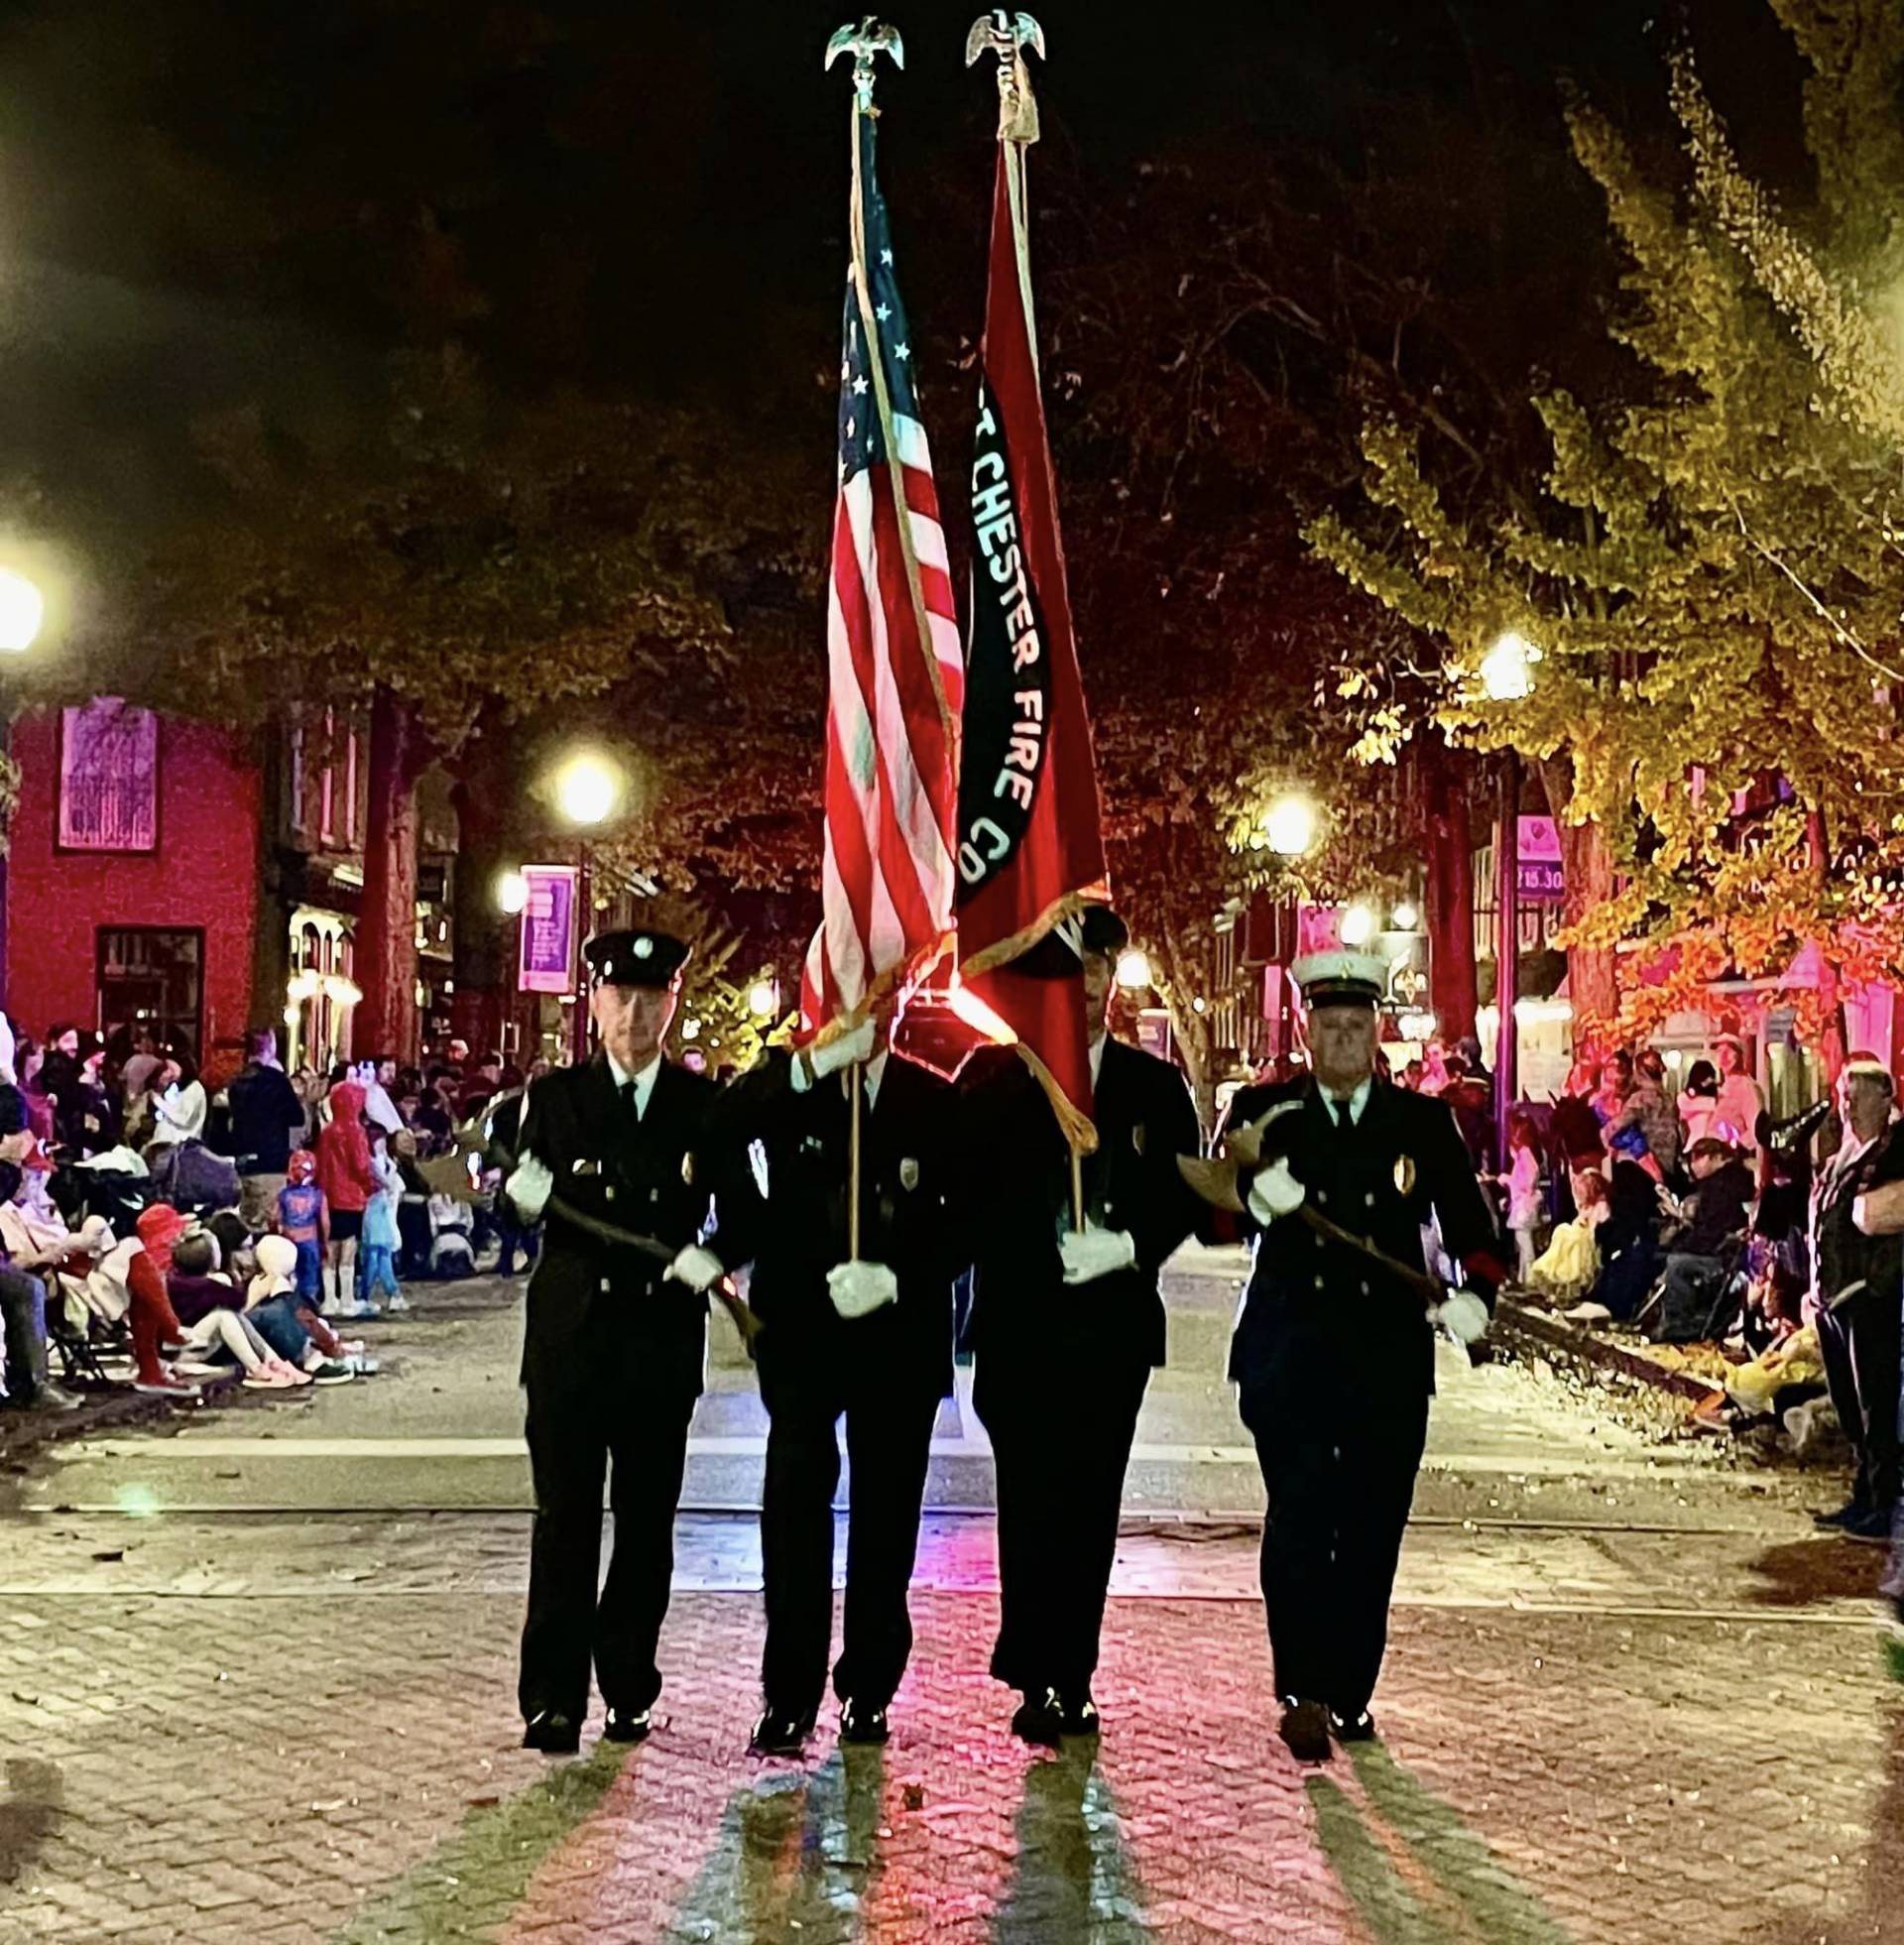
{"x": 1710, "y": 575}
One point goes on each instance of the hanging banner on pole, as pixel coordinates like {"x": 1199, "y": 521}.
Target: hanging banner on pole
{"x": 546, "y": 953}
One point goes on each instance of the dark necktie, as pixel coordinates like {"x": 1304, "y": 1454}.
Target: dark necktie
{"x": 1345, "y": 1113}
{"x": 632, "y": 1102}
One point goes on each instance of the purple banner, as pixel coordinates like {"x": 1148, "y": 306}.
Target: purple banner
{"x": 545, "y": 961}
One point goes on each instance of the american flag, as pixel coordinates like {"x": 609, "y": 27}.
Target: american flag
{"x": 896, "y": 673}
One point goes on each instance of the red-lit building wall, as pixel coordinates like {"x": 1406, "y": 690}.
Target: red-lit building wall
{"x": 203, "y": 877}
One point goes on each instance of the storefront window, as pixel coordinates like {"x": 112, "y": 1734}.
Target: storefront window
{"x": 152, "y": 981}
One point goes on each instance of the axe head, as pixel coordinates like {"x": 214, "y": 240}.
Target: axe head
{"x": 1215, "y": 1182}
{"x": 1028, "y": 34}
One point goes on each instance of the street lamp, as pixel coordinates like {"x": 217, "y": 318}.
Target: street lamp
{"x": 763, "y": 999}
{"x": 1291, "y": 826}
{"x": 587, "y": 789}
{"x": 1508, "y": 669}
{"x": 1508, "y": 675}
{"x": 1357, "y": 924}
{"x": 1133, "y": 970}
{"x": 1405, "y": 917}
{"x": 512, "y": 894}
{"x": 22, "y": 611}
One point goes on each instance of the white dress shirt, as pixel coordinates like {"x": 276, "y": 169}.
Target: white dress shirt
{"x": 1355, "y": 1101}
{"x": 644, "y": 1082}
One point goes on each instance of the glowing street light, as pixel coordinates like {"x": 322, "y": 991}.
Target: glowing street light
{"x": 1290, "y": 826}
{"x": 1358, "y": 925}
{"x": 1508, "y": 669}
{"x": 588, "y": 788}
{"x": 763, "y": 999}
{"x": 512, "y": 893}
{"x": 1133, "y": 970}
{"x": 1405, "y": 917}
{"x": 23, "y": 610}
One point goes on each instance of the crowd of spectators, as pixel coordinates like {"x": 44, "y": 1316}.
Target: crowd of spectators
{"x": 151, "y": 1223}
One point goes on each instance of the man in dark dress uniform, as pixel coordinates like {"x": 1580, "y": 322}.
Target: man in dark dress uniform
{"x": 1857, "y": 1281}
{"x": 615, "y": 1343}
{"x": 1066, "y": 1329}
{"x": 1334, "y": 1359}
{"x": 866, "y": 1339}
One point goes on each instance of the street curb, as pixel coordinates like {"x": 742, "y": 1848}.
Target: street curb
{"x": 1519, "y": 1325}
{"x": 22, "y": 1434}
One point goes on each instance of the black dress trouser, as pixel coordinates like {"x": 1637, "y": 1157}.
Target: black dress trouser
{"x": 1341, "y": 1476}
{"x": 889, "y": 1444}
{"x": 573, "y": 1436}
{"x": 1061, "y": 1431}
{"x": 1859, "y": 1345}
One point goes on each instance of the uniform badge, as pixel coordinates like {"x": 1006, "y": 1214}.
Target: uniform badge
{"x": 908, "y": 1173}
{"x": 1404, "y": 1174}
{"x": 1136, "y": 1138}
{"x": 687, "y": 1169}
{"x": 644, "y": 949}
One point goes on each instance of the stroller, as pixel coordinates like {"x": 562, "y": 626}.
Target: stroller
{"x": 192, "y": 1179}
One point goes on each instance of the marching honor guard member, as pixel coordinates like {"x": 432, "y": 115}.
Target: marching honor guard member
{"x": 1334, "y": 1353}
{"x": 866, "y": 1339}
{"x": 615, "y": 1342}
{"x": 1066, "y": 1328}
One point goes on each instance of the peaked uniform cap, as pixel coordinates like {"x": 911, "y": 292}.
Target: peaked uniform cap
{"x": 1341, "y": 979}
{"x": 635, "y": 958}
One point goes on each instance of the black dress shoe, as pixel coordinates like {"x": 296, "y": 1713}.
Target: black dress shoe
{"x": 1304, "y": 1730}
{"x": 1080, "y": 1718}
{"x": 860, "y": 1724}
{"x": 1357, "y": 1728}
{"x": 1040, "y": 1719}
{"x": 553, "y": 1735}
{"x": 1843, "y": 1516}
{"x": 627, "y": 1726}
{"x": 779, "y": 1733}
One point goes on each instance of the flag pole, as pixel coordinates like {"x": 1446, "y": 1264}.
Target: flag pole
{"x": 864, "y": 42}
{"x": 854, "y": 1076}
{"x": 1006, "y": 35}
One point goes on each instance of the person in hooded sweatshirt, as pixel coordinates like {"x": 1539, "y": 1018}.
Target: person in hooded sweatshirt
{"x": 345, "y": 1174}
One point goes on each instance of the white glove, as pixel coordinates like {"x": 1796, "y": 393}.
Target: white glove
{"x": 1462, "y": 1316}
{"x": 859, "y": 1288}
{"x": 528, "y": 1187}
{"x": 1275, "y": 1192}
{"x": 701, "y": 1270}
{"x": 1096, "y": 1253}
{"x": 841, "y": 1051}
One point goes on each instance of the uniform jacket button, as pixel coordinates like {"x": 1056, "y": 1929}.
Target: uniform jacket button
{"x": 605, "y": 1284}
{"x": 1319, "y": 1284}
{"x": 1322, "y": 1195}
{"x": 1364, "y": 1289}
{"x": 1370, "y": 1198}
{"x": 609, "y": 1191}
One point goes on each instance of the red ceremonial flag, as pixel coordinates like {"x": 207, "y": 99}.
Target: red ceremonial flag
{"x": 896, "y": 676}
{"x": 1030, "y": 851}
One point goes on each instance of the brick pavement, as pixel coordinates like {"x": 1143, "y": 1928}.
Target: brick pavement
{"x": 341, "y": 1767}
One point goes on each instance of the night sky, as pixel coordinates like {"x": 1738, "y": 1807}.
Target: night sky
{"x": 210, "y": 201}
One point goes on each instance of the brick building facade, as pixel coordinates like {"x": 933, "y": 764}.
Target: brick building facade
{"x": 132, "y": 877}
